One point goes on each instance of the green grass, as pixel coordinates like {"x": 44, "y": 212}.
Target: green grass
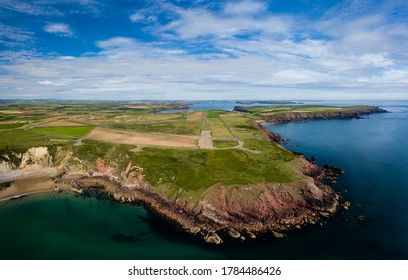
{"x": 213, "y": 114}
{"x": 10, "y": 125}
{"x": 194, "y": 169}
{"x": 73, "y": 131}
{"x": 218, "y": 129}
{"x": 90, "y": 150}
{"x": 19, "y": 139}
{"x": 225, "y": 144}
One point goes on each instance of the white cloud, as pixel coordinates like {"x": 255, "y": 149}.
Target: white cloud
{"x": 136, "y": 17}
{"x": 116, "y": 42}
{"x": 245, "y": 7}
{"x": 376, "y": 60}
{"x": 14, "y": 36}
{"x": 237, "y": 51}
{"x": 52, "y": 83}
{"x": 299, "y": 76}
{"x": 49, "y": 7}
{"x": 60, "y": 29}
{"x": 388, "y": 77}
{"x": 195, "y": 23}
{"x": 149, "y": 71}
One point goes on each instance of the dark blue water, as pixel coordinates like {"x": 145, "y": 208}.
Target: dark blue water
{"x": 374, "y": 154}
{"x": 372, "y": 151}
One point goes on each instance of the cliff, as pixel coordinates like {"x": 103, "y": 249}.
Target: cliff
{"x": 221, "y": 211}
{"x": 232, "y": 211}
{"x": 296, "y": 114}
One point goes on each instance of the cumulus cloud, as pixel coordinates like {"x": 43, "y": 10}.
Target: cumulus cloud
{"x": 60, "y": 29}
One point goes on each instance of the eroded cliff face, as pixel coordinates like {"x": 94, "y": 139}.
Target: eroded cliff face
{"x": 34, "y": 158}
{"x": 6, "y": 165}
{"x": 233, "y": 211}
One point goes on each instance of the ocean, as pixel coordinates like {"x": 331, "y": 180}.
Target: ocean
{"x": 372, "y": 151}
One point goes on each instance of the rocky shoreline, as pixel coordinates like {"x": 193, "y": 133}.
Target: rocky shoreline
{"x": 238, "y": 212}
{"x": 222, "y": 211}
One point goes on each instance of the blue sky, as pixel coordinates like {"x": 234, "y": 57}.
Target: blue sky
{"x": 250, "y": 49}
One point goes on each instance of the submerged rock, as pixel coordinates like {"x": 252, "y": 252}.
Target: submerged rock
{"x": 213, "y": 237}
{"x": 233, "y": 233}
{"x": 278, "y": 234}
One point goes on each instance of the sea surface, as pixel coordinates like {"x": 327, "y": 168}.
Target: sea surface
{"x": 373, "y": 152}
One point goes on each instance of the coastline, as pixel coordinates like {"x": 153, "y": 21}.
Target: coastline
{"x": 24, "y": 195}
{"x": 235, "y": 211}
{"x": 212, "y": 224}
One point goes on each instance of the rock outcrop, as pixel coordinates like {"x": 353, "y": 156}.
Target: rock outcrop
{"x": 36, "y": 158}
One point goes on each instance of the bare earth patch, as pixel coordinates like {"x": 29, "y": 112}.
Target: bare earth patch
{"x": 60, "y": 123}
{"x": 10, "y": 112}
{"x": 136, "y": 138}
{"x": 195, "y": 116}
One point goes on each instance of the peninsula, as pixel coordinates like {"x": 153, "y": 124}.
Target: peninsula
{"x": 214, "y": 174}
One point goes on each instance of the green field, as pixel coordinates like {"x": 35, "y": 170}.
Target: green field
{"x": 224, "y": 144}
{"x": 10, "y": 125}
{"x": 73, "y": 131}
{"x": 218, "y": 129}
{"x": 19, "y": 139}
{"x": 179, "y": 127}
{"x": 215, "y": 113}
{"x": 195, "y": 170}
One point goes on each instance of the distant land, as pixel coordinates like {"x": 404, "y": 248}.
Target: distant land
{"x": 278, "y": 102}
{"x": 212, "y": 173}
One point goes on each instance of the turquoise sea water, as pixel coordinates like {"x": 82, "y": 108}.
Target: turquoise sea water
{"x": 372, "y": 151}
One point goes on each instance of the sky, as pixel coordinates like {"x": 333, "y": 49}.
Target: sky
{"x": 191, "y": 50}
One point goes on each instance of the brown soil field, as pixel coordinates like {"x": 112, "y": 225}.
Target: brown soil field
{"x": 135, "y": 138}
{"x": 146, "y": 118}
{"x": 60, "y": 123}
{"x": 195, "y": 116}
{"x": 89, "y": 120}
{"x": 10, "y": 112}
